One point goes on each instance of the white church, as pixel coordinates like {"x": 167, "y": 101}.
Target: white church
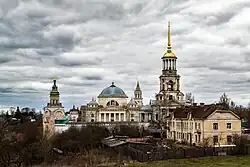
{"x": 113, "y": 107}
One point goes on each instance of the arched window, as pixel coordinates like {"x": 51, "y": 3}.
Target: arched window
{"x": 112, "y": 103}
{"x": 170, "y": 97}
{"x": 170, "y": 85}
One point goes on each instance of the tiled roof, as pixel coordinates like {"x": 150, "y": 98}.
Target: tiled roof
{"x": 83, "y": 108}
{"x": 199, "y": 112}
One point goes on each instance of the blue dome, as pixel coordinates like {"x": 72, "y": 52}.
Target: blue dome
{"x": 112, "y": 91}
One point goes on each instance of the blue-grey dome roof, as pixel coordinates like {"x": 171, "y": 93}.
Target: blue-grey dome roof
{"x": 112, "y": 91}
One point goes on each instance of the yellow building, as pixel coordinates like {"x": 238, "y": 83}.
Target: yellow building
{"x": 207, "y": 125}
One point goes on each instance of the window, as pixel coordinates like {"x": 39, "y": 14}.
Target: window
{"x": 229, "y": 140}
{"x": 102, "y": 117}
{"x": 191, "y": 126}
{"x": 215, "y": 139}
{"x": 195, "y": 126}
{"x": 112, "y": 117}
{"x": 196, "y": 138}
{"x": 142, "y": 117}
{"x": 215, "y": 126}
{"x": 199, "y": 126}
{"x": 229, "y": 125}
{"x": 170, "y": 97}
{"x": 92, "y": 115}
{"x": 170, "y": 85}
{"x": 199, "y": 137}
{"x": 117, "y": 117}
{"x": 122, "y": 117}
{"x": 92, "y": 120}
{"x": 178, "y": 125}
{"x": 107, "y": 117}
{"x": 132, "y": 115}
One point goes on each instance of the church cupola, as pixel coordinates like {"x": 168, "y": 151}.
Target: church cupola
{"x": 169, "y": 57}
{"x": 138, "y": 94}
{"x": 54, "y": 95}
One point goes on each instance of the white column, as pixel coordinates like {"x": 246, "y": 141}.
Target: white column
{"x": 173, "y": 64}
{"x": 119, "y": 117}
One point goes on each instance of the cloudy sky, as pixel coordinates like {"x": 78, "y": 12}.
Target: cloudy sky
{"x": 87, "y": 44}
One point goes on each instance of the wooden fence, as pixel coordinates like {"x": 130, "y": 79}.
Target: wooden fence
{"x": 145, "y": 154}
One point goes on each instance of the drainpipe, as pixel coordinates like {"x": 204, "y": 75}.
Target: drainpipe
{"x": 203, "y": 131}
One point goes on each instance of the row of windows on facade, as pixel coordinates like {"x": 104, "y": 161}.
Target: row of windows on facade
{"x": 185, "y": 125}
{"x": 186, "y": 136}
{"x": 216, "y": 126}
{"x": 229, "y": 139}
{"x": 112, "y": 115}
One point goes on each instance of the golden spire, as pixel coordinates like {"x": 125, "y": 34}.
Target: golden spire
{"x": 169, "y": 52}
{"x": 169, "y": 35}
{"x": 54, "y": 78}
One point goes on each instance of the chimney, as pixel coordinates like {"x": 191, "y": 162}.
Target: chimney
{"x": 195, "y": 104}
{"x": 202, "y": 104}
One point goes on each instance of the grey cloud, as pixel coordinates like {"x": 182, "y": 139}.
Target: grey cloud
{"x": 88, "y": 44}
{"x": 76, "y": 63}
{"x": 93, "y": 78}
{"x": 219, "y": 18}
{"x": 4, "y": 58}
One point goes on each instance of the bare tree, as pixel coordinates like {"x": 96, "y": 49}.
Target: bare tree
{"x": 206, "y": 142}
{"x": 232, "y": 105}
{"x": 225, "y": 100}
{"x": 248, "y": 105}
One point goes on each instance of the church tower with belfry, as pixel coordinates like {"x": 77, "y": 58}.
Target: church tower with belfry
{"x": 138, "y": 95}
{"x": 170, "y": 95}
{"x": 54, "y": 110}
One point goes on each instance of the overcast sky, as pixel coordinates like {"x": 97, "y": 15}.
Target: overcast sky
{"x": 87, "y": 44}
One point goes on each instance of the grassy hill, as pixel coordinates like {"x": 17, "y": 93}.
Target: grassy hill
{"x": 222, "y": 161}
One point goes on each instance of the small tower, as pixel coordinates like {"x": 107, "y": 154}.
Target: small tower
{"x": 54, "y": 110}
{"x": 54, "y": 95}
{"x": 138, "y": 95}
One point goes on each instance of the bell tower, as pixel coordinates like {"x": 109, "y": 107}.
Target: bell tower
{"x": 169, "y": 79}
{"x": 54, "y": 95}
{"x": 54, "y": 110}
{"x": 138, "y": 95}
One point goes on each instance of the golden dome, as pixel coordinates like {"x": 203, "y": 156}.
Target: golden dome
{"x": 169, "y": 54}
